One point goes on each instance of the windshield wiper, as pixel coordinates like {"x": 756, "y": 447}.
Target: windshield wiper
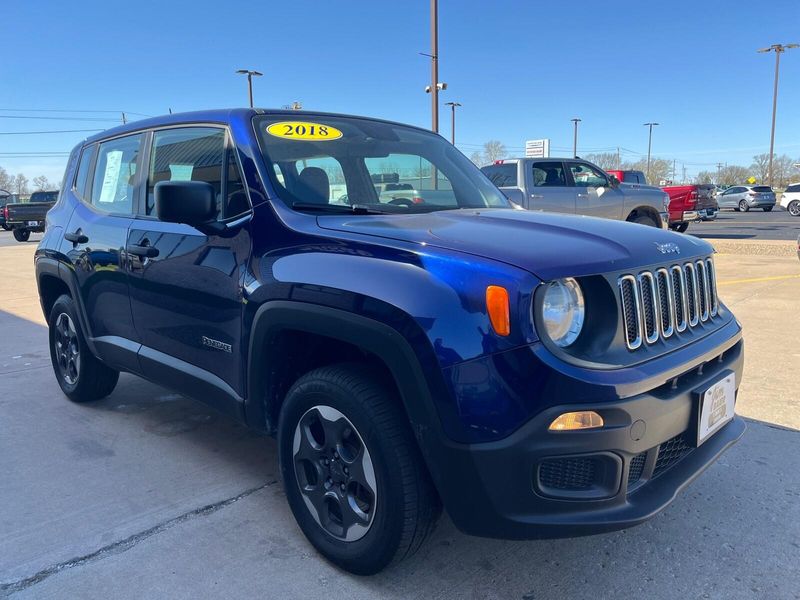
{"x": 357, "y": 209}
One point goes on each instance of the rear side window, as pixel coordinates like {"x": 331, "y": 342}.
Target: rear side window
{"x": 113, "y": 184}
{"x": 795, "y": 187}
{"x": 633, "y": 177}
{"x": 549, "y": 174}
{"x": 187, "y": 154}
{"x": 504, "y": 175}
{"x": 82, "y": 178}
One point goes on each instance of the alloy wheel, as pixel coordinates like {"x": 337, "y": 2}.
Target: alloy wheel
{"x": 743, "y": 206}
{"x": 67, "y": 348}
{"x": 335, "y": 473}
{"x": 794, "y": 208}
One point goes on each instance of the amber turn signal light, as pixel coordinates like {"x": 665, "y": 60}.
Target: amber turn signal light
{"x": 497, "y": 307}
{"x": 572, "y": 421}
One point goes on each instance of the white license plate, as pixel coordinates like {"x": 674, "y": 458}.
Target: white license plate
{"x": 33, "y": 223}
{"x": 716, "y": 407}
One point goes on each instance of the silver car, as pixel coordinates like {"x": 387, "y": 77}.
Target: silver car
{"x": 744, "y": 197}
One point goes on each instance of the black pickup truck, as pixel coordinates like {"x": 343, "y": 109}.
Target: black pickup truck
{"x": 25, "y": 218}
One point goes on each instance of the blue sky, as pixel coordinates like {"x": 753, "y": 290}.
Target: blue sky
{"x": 521, "y": 69}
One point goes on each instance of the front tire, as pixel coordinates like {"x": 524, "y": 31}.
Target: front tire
{"x": 353, "y": 474}
{"x": 743, "y": 206}
{"x": 22, "y": 235}
{"x": 681, "y": 227}
{"x": 645, "y": 220}
{"x": 794, "y": 208}
{"x": 80, "y": 374}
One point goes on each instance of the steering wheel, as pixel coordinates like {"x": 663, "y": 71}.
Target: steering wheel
{"x": 401, "y": 202}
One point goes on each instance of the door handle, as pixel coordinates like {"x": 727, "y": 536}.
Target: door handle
{"x": 76, "y": 238}
{"x": 536, "y": 196}
{"x": 583, "y": 195}
{"x": 143, "y": 251}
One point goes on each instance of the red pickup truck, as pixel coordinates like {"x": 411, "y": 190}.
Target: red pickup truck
{"x": 687, "y": 203}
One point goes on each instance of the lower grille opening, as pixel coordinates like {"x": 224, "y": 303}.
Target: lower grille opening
{"x": 670, "y": 452}
{"x": 636, "y": 468}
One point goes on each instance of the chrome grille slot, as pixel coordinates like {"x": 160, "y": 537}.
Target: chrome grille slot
{"x": 632, "y": 320}
{"x": 650, "y": 312}
{"x": 666, "y": 301}
{"x": 691, "y": 294}
{"x": 711, "y": 274}
{"x": 703, "y": 293}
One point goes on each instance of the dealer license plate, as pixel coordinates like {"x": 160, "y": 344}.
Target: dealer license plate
{"x": 716, "y": 407}
{"x": 33, "y": 223}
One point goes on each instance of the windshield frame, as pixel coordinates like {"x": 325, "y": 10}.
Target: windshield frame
{"x": 470, "y": 188}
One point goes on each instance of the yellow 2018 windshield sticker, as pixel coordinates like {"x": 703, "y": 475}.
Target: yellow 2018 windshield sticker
{"x": 304, "y": 130}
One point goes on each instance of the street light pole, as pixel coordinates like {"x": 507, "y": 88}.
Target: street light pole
{"x": 435, "y": 66}
{"x": 576, "y": 120}
{"x": 452, "y": 106}
{"x": 250, "y": 74}
{"x": 649, "y": 146}
{"x": 778, "y": 49}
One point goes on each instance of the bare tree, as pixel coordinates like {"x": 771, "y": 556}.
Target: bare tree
{"x": 20, "y": 184}
{"x": 477, "y": 158}
{"x": 660, "y": 169}
{"x": 783, "y": 166}
{"x": 6, "y": 180}
{"x": 604, "y": 160}
{"x": 493, "y": 150}
{"x": 41, "y": 183}
{"x": 734, "y": 175}
{"x": 760, "y": 167}
{"x": 705, "y": 177}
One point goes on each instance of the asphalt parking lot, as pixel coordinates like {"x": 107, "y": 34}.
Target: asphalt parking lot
{"x": 148, "y": 494}
{"x": 753, "y": 225}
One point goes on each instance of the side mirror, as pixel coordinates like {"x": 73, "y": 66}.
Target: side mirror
{"x": 189, "y": 202}
{"x": 613, "y": 181}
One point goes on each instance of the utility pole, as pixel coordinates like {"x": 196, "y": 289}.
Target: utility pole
{"x": 452, "y": 106}
{"x": 619, "y": 162}
{"x": 778, "y": 49}
{"x": 719, "y": 167}
{"x": 124, "y": 119}
{"x": 673, "y": 170}
{"x": 435, "y": 66}
{"x": 649, "y": 145}
{"x": 250, "y": 74}
{"x": 683, "y": 180}
{"x": 576, "y": 120}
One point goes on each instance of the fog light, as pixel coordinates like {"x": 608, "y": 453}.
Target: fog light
{"x": 584, "y": 419}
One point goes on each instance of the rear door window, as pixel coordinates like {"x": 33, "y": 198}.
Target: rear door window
{"x": 114, "y": 182}
{"x": 504, "y": 175}
{"x": 549, "y": 174}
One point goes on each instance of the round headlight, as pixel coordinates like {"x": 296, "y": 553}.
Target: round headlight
{"x": 563, "y": 311}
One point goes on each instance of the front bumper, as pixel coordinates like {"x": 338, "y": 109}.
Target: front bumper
{"x": 643, "y": 459}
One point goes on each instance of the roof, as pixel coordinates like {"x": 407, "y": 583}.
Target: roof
{"x": 223, "y": 115}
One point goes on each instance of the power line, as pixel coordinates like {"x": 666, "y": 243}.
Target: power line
{"x": 48, "y": 132}
{"x": 68, "y": 110}
{"x": 59, "y": 118}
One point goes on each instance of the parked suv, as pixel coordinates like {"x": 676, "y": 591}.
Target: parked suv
{"x": 575, "y": 186}
{"x": 744, "y": 197}
{"x": 790, "y": 199}
{"x": 538, "y": 375}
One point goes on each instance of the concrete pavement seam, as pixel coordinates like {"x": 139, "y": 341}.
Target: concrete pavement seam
{"x": 11, "y": 587}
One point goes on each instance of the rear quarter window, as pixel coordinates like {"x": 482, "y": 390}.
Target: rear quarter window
{"x": 502, "y": 175}
{"x": 793, "y": 188}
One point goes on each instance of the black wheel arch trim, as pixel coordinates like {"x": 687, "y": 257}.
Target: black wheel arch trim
{"x": 375, "y": 337}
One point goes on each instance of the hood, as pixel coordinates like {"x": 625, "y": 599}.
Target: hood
{"x": 545, "y": 244}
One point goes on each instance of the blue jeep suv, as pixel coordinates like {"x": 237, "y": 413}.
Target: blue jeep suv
{"x": 537, "y": 375}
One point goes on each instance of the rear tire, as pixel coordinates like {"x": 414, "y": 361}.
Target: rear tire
{"x": 80, "y": 374}
{"x": 22, "y": 235}
{"x": 743, "y": 206}
{"x": 681, "y": 227}
{"x": 340, "y": 425}
{"x": 645, "y": 220}
{"x": 794, "y": 208}
{"x": 6, "y": 227}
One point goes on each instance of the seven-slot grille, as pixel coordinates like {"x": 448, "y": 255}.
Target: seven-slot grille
{"x": 657, "y": 304}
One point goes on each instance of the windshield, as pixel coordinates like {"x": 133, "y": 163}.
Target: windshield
{"x": 342, "y": 163}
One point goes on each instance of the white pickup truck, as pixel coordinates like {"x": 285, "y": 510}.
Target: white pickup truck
{"x": 575, "y": 186}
